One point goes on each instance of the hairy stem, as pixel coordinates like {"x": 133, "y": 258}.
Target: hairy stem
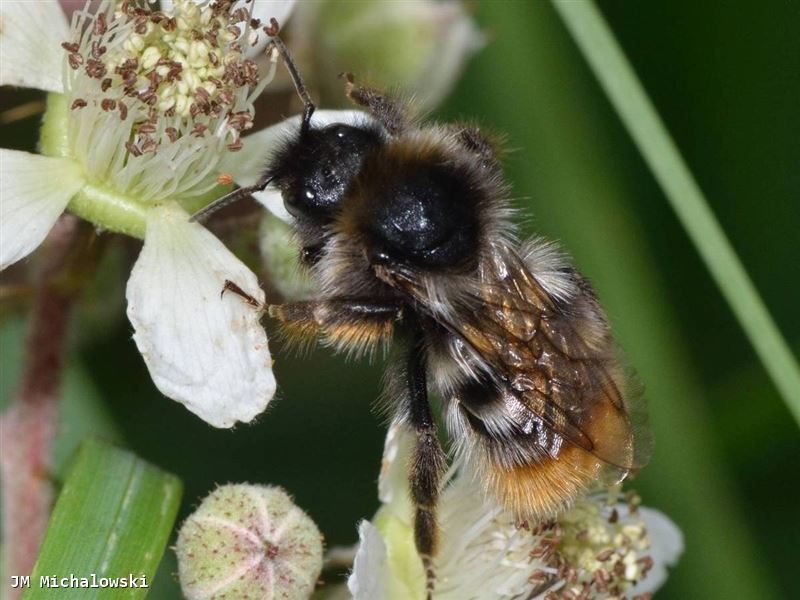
{"x": 28, "y": 427}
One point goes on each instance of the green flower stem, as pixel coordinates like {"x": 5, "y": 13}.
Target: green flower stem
{"x": 604, "y": 55}
{"x": 96, "y": 202}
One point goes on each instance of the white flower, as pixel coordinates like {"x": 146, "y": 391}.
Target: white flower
{"x": 145, "y": 111}
{"x": 608, "y": 550}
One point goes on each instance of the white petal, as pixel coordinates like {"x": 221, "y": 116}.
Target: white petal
{"x": 370, "y": 567}
{"x": 247, "y": 165}
{"x": 264, "y": 10}
{"x": 459, "y": 39}
{"x": 393, "y": 478}
{"x": 31, "y": 33}
{"x": 272, "y": 200}
{"x": 280, "y": 10}
{"x": 666, "y": 546}
{"x": 205, "y": 351}
{"x": 34, "y": 191}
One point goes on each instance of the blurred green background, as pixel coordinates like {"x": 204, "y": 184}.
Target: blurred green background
{"x": 726, "y": 80}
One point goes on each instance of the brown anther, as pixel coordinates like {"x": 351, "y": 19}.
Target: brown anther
{"x": 108, "y": 104}
{"x": 645, "y": 564}
{"x": 614, "y": 516}
{"x": 154, "y": 78}
{"x": 147, "y": 127}
{"x": 149, "y": 145}
{"x": 199, "y": 130}
{"x": 140, "y": 25}
{"x": 133, "y": 149}
{"x": 100, "y": 26}
{"x": 171, "y": 133}
{"x": 169, "y": 24}
{"x": 78, "y": 103}
{"x": 234, "y": 31}
{"x": 539, "y": 576}
{"x": 235, "y": 146}
{"x": 226, "y": 97}
{"x": 619, "y": 568}
{"x": 95, "y": 68}
{"x": 123, "y": 110}
{"x": 605, "y": 554}
{"x": 255, "y": 23}
{"x": 75, "y": 61}
{"x": 273, "y": 28}
{"x": 240, "y": 15}
{"x": 148, "y": 96}
{"x": 71, "y": 47}
{"x": 97, "y": 50}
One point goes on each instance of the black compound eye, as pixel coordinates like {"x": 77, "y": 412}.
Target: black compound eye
{"x": 425, "y": 217}
{"x": 323, "y": 164}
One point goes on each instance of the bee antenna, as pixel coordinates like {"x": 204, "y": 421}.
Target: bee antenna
{"x": 273, "y": 30}
{"x": 202, "y": 214}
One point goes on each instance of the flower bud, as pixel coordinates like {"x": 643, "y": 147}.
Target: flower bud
{"x": 248, "y": 541}
{"x": 418, "y": 47}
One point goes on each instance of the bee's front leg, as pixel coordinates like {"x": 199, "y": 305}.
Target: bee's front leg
{"x": 427, "y": 463}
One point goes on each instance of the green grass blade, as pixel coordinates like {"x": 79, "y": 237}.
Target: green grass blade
{"x": 112, "y": 519}
{"x": 601, "y": 50}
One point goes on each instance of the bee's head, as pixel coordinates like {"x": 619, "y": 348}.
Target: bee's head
{"x": 314, "y": 169}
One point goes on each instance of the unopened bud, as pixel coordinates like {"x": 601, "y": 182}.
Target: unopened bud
{"x": 281, "y": 254}
{"x": 418, "y": 47}
{"x": 248, "y": 541}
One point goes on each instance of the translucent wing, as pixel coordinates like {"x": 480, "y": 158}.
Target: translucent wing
{"x": 555, "y": 356}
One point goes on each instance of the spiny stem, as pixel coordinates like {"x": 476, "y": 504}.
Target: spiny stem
{"x": 28, "y": 427}
{"x": 604, "y": 55}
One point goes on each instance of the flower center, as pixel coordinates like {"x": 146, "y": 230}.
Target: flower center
{"x": 157, "y": 100}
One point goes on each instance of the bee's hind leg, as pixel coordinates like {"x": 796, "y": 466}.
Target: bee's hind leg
{"x": 427, "y": 463}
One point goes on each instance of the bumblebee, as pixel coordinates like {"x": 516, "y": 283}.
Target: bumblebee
{"x": 407, "y": 231}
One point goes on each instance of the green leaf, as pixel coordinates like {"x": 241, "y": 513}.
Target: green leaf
{"x": 627, "y": 95}
{"x": 112, "y": 520}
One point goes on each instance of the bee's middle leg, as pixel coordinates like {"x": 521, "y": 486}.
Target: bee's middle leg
{"x": 427, "y": 464}
{"x": 347, "y": 322}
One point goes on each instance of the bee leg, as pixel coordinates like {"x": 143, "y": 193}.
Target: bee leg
{"x": 349, "y": 323}
{"x": 427, "y": 465}
{"x": 230, "y": 286}
{"x": 389, "y": 111}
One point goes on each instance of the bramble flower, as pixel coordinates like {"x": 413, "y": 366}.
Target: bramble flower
{"x": 597, "y": 549}
{"x": 146, "y": 111}
{"x": 248, "y": 541}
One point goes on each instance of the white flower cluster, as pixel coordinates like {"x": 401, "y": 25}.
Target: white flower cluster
{"x": 597, "y": 550}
